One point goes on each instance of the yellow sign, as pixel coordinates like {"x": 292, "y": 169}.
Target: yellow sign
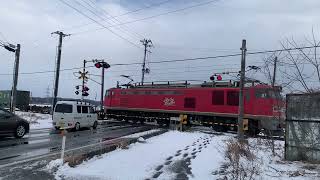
{"x": 245, "y": 124}
{"x": 183, "y": 119}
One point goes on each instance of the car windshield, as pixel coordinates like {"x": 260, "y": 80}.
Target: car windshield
{"x": 63, "y": 108}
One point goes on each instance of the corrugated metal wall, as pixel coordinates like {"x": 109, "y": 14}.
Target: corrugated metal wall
{"x": 23, "y": 99}
{"x": 302, "y": 141}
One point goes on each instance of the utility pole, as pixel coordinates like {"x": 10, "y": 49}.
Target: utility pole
{"x": 274, "y": 71}
{"x": 102, "y": 86}
{"x": 241, "y": 94}
{"x": 15, "y": 80}
{"x": 83, "y": 78}
{"x": 146, "y": 43}
{"x": 57, "y": 72}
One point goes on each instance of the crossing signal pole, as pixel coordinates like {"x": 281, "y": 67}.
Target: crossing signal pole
{"x": 83, "y": 75}
{"x": 146, "y": 43}
{"x": 241, "y": 94}
{"x": 57, "y": 71}
{"x": 103, "y": 65}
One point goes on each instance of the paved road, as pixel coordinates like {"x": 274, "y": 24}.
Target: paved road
{"x": 47, "y": 141}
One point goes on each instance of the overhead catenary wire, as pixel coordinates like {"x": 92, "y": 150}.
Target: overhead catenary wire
{"x": 146, "y": 7}
{"x": 104, "y": 27}
{"x": 129, "y": 12}
{"x": 153, "y": 16}
{"x": 113, "y": 19}
{"x": 92, "y": 9}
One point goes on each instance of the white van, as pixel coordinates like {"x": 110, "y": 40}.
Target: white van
{"x": 74, "y": 115}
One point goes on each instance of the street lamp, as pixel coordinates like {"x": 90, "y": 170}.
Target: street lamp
{"x": 16, "y": 50}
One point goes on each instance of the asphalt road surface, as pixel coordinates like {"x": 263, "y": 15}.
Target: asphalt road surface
{"x": 47, "y": 141}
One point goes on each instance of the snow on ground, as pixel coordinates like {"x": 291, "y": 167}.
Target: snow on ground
{"x": 184, "y": 155}
{"x": 36, "y": 120}
{"x": 137, "y": 162}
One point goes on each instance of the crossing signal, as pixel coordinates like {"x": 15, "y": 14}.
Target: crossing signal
{"x": 102, "y": 64}
{"x": 98, "y": 65}
{"x": 219, "y": 78}
{"x": 85, "y": 94}
{"x": 212, "y": 78}
{"x": 85, "y": 88}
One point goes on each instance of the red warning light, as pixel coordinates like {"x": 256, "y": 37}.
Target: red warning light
{"x": 98, "y": 65}
{"x": 219, "y": 77}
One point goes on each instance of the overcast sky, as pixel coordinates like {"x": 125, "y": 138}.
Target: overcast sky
{"x": 213, "y": 29}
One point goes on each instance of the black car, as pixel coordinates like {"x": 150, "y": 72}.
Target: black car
{"x": 11, "y": 124}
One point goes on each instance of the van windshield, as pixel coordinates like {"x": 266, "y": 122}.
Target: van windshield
{"x": 63, "y": 108}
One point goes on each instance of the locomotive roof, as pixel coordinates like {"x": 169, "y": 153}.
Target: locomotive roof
{"x": 187, "y": 84}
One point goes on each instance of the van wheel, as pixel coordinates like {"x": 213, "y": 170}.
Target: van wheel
{"x": 20, "y": 131}
{"x": 95, "y": 124}
{"x": 77, "y": 127}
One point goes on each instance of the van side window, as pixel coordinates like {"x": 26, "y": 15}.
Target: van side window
{"x": 84, "y": 109}
{"x": 79, "y": 109}
{"x": 63, "y": 108}
{"x": 91, "y": 110}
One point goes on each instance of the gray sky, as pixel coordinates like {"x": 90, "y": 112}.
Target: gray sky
{"x": 213, "y": 29}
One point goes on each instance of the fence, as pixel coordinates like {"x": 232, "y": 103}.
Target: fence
{"x": 302, "y": 141}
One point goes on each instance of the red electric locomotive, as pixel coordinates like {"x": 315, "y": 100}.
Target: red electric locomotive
{"x": 210, "y": 103}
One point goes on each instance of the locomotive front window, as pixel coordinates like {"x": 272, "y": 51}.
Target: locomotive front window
{"x": 268, "y": 94}
{"x": 107, "y": 93}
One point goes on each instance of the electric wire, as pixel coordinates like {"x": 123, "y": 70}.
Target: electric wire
{"x": 104, "y": 27}
{"x": 180, "y": 60}
{"x": 151, "y": 17}
{"x": 129, "y": 12}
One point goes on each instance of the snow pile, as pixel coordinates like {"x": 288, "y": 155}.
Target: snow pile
{"x": 137, "y": 162}
{"x": 141, "y": 139}
{"x": 36, "y": 120}
{"x": 53, "y": 165}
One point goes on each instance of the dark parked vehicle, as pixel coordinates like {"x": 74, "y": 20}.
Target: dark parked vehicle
{"x": 11, "y": 124}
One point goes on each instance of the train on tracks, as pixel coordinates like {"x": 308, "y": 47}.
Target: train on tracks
{"x": 213, "y": 104}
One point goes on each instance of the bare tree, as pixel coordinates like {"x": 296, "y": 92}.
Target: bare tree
{"x": 301, "y": 68}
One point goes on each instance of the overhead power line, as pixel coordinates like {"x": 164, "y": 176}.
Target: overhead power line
{"x": 129, "y": 12}
{"x": 182, "y": 60}
{"x": 112, "y": 18}
{"x": 146, "y": 7}
{"x": 104, "y": 27}
{"x": 154, "y": 16}
{"x": 215, "y": 57}
{"x": 102, "y": 16}
{"x": 43, "y": 72}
